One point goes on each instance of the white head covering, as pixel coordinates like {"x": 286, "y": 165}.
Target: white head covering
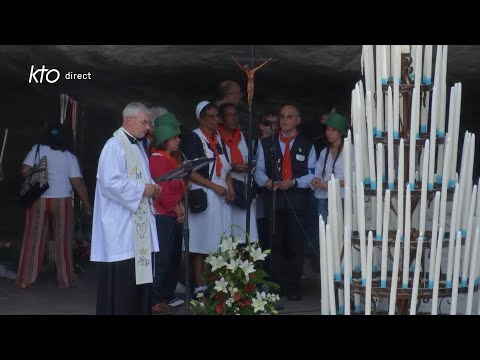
{"x": 201, "y": 105}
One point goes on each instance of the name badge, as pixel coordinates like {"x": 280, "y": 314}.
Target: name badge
{"x": 300, "y": 157}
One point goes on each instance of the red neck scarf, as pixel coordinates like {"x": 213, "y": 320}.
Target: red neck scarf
{"x": 212, "y": 140}
{"x": 174, "y": 164}
{"x": 287, "y": 163}
{"x": 232, "y": 142}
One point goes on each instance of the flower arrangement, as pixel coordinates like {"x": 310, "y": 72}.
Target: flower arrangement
{"x": 236, "y": 284}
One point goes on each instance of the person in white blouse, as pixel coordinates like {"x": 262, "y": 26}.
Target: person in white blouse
{"x": 124, "y": 232}
{"x": 53, "y": 208}
{"x": 330, "y": 162}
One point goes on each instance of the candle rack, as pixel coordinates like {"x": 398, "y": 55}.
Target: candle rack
{"x": 425, "y": 292}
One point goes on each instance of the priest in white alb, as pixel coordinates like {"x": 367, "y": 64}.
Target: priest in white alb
{"x": 124, "y": 232}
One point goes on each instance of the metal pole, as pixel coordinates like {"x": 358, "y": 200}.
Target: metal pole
{"x": 186, "y": 239}
{"x": 250, "y": 141}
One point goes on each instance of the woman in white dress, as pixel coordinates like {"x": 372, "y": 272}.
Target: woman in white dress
{"x": 206, "y": 227}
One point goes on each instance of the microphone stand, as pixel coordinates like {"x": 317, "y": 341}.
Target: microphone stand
{"x": 186, "y": 240}
{"x": 273, "y": 158}
{"x": 184, "y": 172}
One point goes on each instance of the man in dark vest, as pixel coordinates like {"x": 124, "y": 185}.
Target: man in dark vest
{"x": 285, "y": 166}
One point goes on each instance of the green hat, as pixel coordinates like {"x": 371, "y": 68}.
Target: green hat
{"x": 337, "y": 121}
{"x": 164, "y": 132}
{"x": 167, "y": 119}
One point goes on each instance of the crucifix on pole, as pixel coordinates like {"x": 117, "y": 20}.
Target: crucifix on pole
{"x": 250, "y": 70}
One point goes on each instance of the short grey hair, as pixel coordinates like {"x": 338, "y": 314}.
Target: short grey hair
{"x": 158, "y": 111}
{"x": 134, "y": 109}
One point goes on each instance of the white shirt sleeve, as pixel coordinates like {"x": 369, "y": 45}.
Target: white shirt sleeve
{"x": 74, "y": 166}
{"x": 304, "y": 181}
{"x": 260, "y": 174}
{"x": 30, "y": 158}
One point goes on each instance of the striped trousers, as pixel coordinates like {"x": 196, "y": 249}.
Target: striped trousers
{"x": 58, "y": 214}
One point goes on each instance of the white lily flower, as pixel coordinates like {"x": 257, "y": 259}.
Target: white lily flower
{"x": 221, "y": 285}
{"x": 229, "y": 302}
{"x": 257, "y": 254}
{"x": 233, "y": 264}
{"x": 247, "y": 268}
{"x": 217, "y": 262}
{"x": 227, "y": 244}
{"x": 233, "y": 290}
{"x": 258, "y": 304}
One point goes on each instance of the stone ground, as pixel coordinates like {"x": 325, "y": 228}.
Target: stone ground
{"x": 44, "y": 298}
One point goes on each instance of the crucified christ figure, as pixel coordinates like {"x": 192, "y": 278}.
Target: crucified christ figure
{"x": 250, "y": 79}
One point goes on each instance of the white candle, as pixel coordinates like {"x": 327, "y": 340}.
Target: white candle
{"x": 393, "y": 288}
{"x": 453, "y": 229}
{"x": 456, "y": 273}
{"x": 339, "y": 216}
{"x": 347, "y": 260}
{"x": 477, "y": 210}
{"x": 433, "y": 138}
{"x": 371, "y": 149}
{"x": 366, "y": 67}
{"x": 405, "y": 49}
{"x": 324, "y": 277}
{"x": 380, "y": 116}
{"x": 416, "y": 276}
{"x": 433, "y": 242}
{"x": 358, "y": 158}
{"x": 418, "y": 65}
{"x": 413, "y": 132}
{"x": 332, "y": 220}
{"x": 361, "y": 228}
{"x": 368, "y": 289}
{"x": 331, "y": 283}
{"x": 406, "y": 246}
{"x": 446, "y": 169}
{"x": 386, "y": 214}
{"x": 400, "y": 186}
{"x": 468, "y": 236}
{"x": 443, "y": 83}
{"x": 423, "y": 194}
{"x": 363, "y": 131}
{"x": 427, "y": 65}
{"x": 383, "y": 57}
{"x": 354, "y": 203}
{"x": 456, "y": 124}
{"x": 396, "y": 91}
{"x": 471, "y": 282}
{"x": 390, "y": 153}
{"x": 436, "y": 279}
{"x": 462, "y": 213}
{"x": 379, "y": 191}
{"x": 469, "y": 177}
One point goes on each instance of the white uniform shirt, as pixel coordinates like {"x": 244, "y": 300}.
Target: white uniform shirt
{"x": 116, "y": 197}
{"x": 339, "y": 171}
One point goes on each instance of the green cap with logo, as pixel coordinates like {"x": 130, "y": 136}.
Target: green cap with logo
{"x": 337, "y": 121}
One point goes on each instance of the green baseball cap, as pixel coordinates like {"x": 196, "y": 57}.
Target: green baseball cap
{"x": 337, "y": 121}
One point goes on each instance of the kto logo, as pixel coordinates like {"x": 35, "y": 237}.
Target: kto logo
{"x": 51, "y": 75}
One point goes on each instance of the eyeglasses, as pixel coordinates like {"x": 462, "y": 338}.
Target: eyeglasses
{"x": 143, "y": 122}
